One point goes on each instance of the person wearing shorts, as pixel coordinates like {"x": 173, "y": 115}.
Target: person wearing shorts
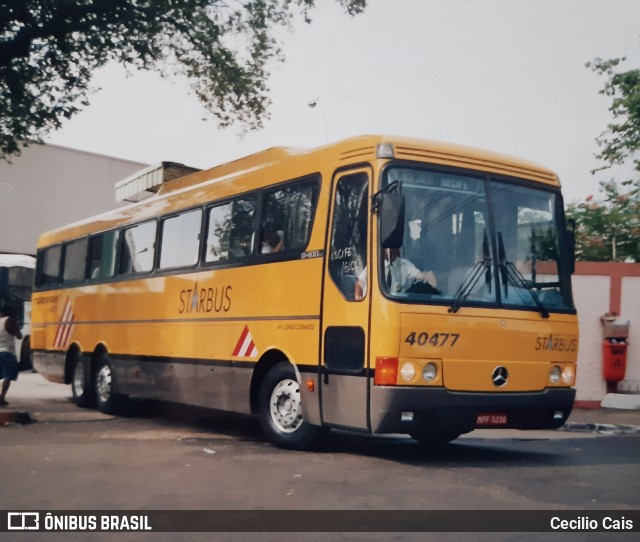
{"x": 9, "y": 331}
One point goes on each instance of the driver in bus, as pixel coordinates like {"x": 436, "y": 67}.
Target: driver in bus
{"x": 400, "y": 275}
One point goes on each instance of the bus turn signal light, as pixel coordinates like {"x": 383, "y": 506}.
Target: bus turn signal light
{"x": 386, "y": 373}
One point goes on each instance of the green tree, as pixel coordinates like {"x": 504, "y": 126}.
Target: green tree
{"x": 49, "y": 50}
{"x": 621, "y": 141}
{"x": 608, "y": 227}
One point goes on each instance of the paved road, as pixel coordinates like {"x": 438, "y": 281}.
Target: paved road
{"x": 183, "y": 458}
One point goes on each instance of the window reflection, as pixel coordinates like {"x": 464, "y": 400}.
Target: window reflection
{"x": 230, "y": 234}
{"x": 138, "y": 248}
{"x": 102, "y": 254}
{"x": 75, "y": 257}
{"x": 180, "y": 240}
{"x": 287, "y": 214}
{"x": 448, "y": 233}
{"x": 348, "y": 252}
{"x": 526, "y": 228}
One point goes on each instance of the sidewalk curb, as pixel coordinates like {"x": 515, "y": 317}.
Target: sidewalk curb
{"x": 604, "y": 428}
{"x": 624, "y": 401}
{"x": 10, "y": 417}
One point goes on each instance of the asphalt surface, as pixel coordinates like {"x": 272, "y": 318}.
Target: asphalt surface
{"x": 182, "y": 458}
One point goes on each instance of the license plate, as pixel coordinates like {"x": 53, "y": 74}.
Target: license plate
{"x": 491, "y": 420}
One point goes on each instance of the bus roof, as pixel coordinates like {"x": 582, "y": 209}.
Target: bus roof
{"x": 260, "y": 168}
{"x": 17, "y": 260}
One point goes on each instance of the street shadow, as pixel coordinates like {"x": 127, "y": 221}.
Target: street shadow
{"x": 465, "y": 452}
{"x": 470, "y": 451}
{"x": 201, "y": 420}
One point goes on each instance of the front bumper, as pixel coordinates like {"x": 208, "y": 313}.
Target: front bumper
{"x": 411, "y": 410}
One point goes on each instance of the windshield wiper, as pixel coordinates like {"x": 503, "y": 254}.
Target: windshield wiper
{"x": 534, "y": 244}
{"x": 509, "y": 273}
{"x": 473, "y": 276}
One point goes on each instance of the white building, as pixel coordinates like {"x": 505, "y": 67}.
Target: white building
{"x": 48, "y": 186}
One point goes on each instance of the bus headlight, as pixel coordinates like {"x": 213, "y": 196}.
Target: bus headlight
{"x": 568, "y": 376}
{"x": 430, "y": 372}
{"x": 407, "y": 371}
{"x": 555, "y": 375}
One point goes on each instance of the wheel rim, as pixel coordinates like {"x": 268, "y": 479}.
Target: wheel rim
{"x": 103, "y": 383}
{"x": 286, "y": 406}
{"x": 78, "y": 379}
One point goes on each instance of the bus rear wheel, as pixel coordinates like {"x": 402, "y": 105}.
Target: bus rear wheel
{"x": 106, "y": 400}
{"x": 81, "y": 388}
{"x": 280, "y": 410}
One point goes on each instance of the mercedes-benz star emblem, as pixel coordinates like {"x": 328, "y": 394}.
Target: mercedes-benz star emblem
{"x": 500, "y": 376}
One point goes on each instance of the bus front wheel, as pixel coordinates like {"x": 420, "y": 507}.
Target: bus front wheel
{"x": 280, "y": 410}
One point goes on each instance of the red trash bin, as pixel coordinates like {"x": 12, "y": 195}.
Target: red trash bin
{"x": 614, "y": 360}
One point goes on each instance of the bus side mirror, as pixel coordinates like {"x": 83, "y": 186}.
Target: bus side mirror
{"x": 391, "y": 220}
{"x": 571, "y": 244}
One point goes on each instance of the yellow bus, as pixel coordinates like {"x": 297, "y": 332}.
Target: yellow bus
{"x": 379, "y": 284}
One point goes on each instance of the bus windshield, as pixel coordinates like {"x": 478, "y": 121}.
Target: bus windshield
{"x": 469, "y": 240}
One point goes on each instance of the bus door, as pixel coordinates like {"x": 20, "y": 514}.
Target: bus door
{"x": 345, "y": 343}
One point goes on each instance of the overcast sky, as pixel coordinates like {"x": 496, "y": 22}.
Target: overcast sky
{"x": 504, "y": 75}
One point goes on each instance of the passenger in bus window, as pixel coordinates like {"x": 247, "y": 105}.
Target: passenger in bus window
{"x": 9, "y": 330}
{"x": 95, "y": 270}
{"x": 273, "y": 241}
{"x": 238, "y": 250}
{"x": 400, "y": 275}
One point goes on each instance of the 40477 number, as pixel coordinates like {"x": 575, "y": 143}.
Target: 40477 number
{"x": 434, "y": 339}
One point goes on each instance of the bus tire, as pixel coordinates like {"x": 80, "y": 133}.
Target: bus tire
{"x": 81, "y": 384}
{"x": 107, "y": 401}
{"x": 26, "y": 361}
{"x": 280, "y": 410}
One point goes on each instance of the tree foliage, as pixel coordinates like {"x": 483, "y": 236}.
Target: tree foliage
{"x": 608, "y": 227}
{"x": 49, "y": 50}
{"x": 621, "y": 140}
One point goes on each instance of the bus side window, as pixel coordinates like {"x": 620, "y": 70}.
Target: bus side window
{"x": 348, "y": 255}
{"x": 180, "y": 240}
{"x": 287, "y": 217}
{"x": 75, "y": 260}
{"x": 230, "y": 228}
{"x": 49, "y": 266}
{"x": 20, "y": 282}
{"x": 138, "y": 248}
{"x": 242, "y": 228}
{"x": 102, "y": 255}
{"x": 217, "y": 245}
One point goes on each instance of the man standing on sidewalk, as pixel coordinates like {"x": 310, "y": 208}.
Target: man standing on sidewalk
{"x": 9, "y": 330}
